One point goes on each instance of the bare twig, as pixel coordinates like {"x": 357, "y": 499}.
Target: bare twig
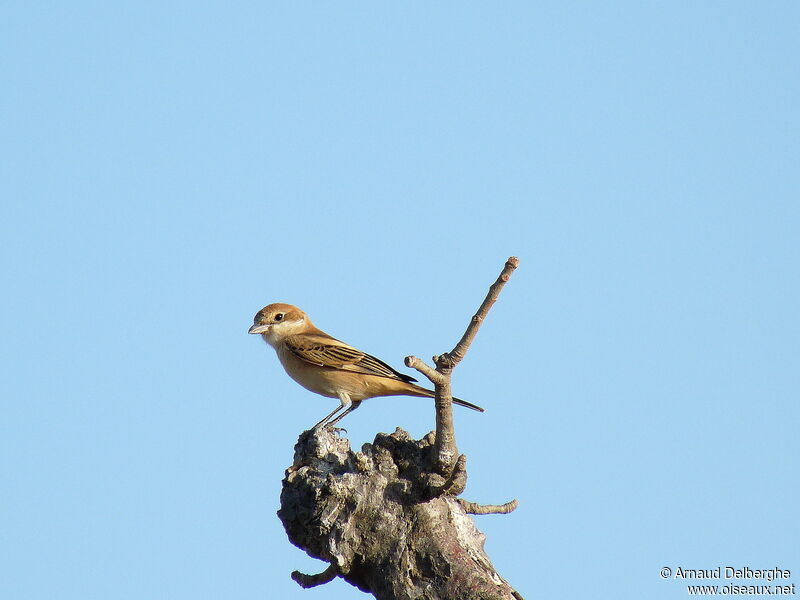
{"x": 446, "y": 451}
{"x": 309, "y": 581}
{"x": 429, "y": 372}
{"x": 452, "y": 358}
{"x": 472, "y": 508}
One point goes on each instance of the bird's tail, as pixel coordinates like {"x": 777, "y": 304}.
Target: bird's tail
{"x": 461, "y": 402}
{"x": 430, "y": 394}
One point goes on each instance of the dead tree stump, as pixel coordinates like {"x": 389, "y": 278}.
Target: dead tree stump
{"x": 379, "y": 518}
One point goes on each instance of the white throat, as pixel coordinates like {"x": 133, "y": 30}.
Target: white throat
{"x": 279, "y": 331}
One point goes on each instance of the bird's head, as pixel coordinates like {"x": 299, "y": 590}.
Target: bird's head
{"x": 276, "y": 321}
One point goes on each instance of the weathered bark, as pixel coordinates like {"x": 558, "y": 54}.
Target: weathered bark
{"x": 379, "y": 518}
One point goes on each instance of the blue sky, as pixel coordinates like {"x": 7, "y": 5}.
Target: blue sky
{"x": 167, "y": 170}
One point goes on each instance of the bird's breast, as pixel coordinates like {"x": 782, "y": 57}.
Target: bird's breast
{"x": 326, "y": 381}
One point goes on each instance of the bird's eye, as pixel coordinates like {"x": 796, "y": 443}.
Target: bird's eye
{"x": 279, "y": 317}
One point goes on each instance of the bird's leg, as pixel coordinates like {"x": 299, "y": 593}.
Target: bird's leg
{"x": 353, "y": 405}
{"x": 345, "y": 403}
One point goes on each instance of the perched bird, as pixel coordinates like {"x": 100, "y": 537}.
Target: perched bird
{"x": 326, "y": 366}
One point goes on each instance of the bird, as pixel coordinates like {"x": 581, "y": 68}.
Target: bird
{"x": 329, "y": 367}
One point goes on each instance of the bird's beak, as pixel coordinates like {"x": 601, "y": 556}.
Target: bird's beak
{"x": 258, "y": 329}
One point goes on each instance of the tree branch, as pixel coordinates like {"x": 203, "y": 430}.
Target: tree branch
{"x": 446, "y": 449}
{"x": 309, "y": 581}
{"x": 429, "y": 372}
{"x": 472, "y": 508}
{"x": 452, "y": 358}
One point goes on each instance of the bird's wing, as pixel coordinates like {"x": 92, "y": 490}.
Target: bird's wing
{"x": 329, "y": 352}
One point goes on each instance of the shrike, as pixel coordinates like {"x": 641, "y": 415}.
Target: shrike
{"x": 326, "y": 366}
